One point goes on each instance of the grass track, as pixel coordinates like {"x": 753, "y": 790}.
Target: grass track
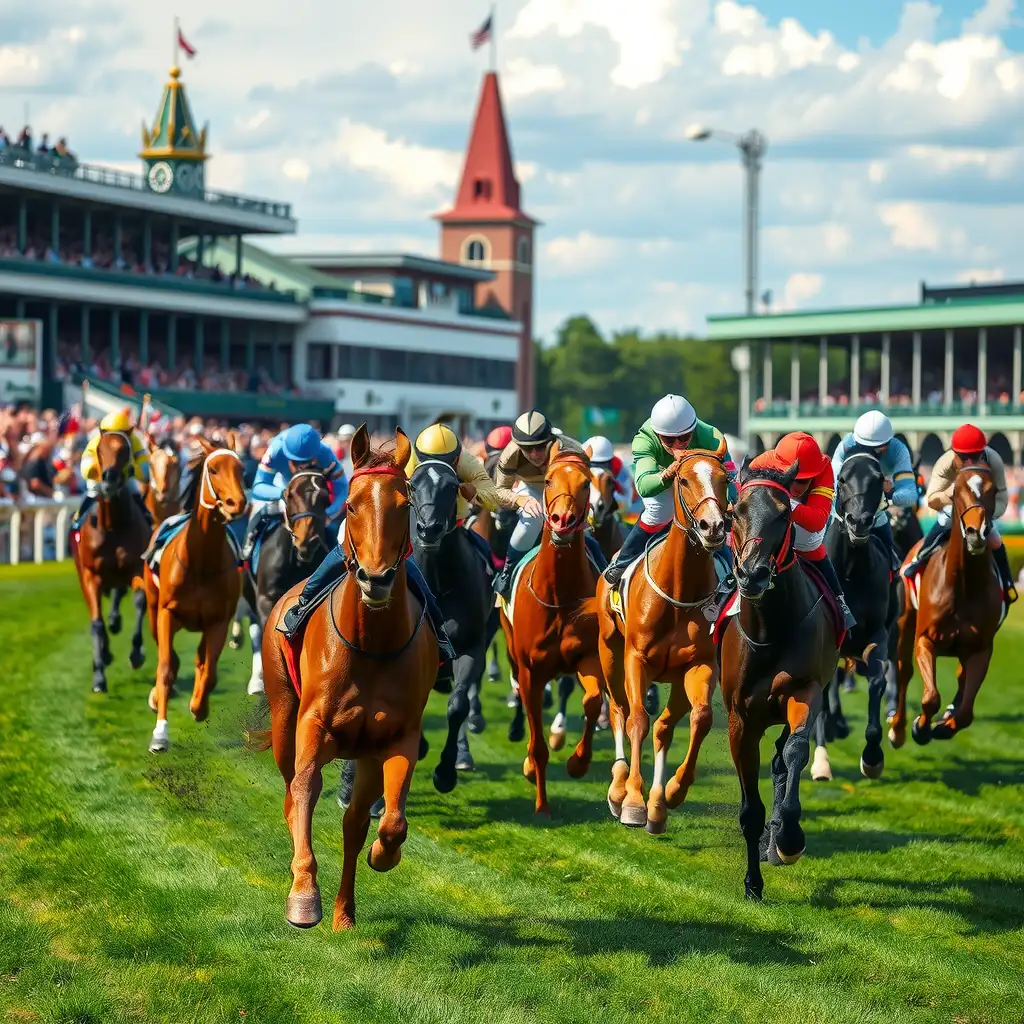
{"x": 145, "y": 888}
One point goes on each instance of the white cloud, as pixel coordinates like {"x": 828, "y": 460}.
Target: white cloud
{"x": 260, "y": 118}
{"x": 521, "y": 78}
{"x": 980, "y": 275}
{"x": 799, "y": 287}
{"x": 992, "y": 17}
{"x": 910, "y": 226}
{"x": 295, "y": 169}
{"x": 582, "y": 253}
{"x": 18, "y": 64}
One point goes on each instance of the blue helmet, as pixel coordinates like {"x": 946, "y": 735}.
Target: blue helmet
{"x": 301, "y": 443}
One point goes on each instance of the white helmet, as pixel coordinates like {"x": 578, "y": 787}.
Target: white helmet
{"x": 872, "y": 429}
{"x": 601, "y": 447}
{"x": 558, "y": 431}
{"x": 346, "y": 430}
{"x": 673, "y": 415}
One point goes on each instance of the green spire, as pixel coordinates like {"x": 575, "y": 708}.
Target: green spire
{"x": 174, "y": 135}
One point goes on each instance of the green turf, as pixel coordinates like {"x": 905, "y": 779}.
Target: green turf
{"x": 143, "y": 888}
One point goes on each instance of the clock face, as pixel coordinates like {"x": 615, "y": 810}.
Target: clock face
{"x": 161, "y": 177}
{"x": 186, "y": 178}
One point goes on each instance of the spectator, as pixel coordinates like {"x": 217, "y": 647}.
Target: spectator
{"x": 38, "y": 471}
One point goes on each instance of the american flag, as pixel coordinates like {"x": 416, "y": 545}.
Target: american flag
{"x": 482, "y": 34}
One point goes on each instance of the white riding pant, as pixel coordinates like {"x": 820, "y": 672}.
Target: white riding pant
{"x": 92, "y": 487}
{"x": 527, "y": 531}
{"x": 945, "y": 516}
{"x": 658, "y": 509}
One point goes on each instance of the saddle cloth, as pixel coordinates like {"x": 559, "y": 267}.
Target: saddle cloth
{"x": 167, "y": 531}
{"x": 507, "y": 604}
{"x": 913, "y": 585}
{"x": 266, "y": 527}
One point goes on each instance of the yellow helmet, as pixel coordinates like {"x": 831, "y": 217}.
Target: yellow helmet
{"x": 438, "y": 442}
{"x": 120, "y": 421}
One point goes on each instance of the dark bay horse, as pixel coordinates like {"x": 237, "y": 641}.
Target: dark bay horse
{"x": 107, "y": 550}
{"x": 163, "y": 497}
{"x": 663, "y": 636}
{"x": 776, "y": 656}
{"x": 198, "y": 583}
{"x": 495, "y": 528}
{"x": 957, "y": 613}
{"x": 354, "y": 684}
{"x": 288, "y": 555}
{"x": 604, "y": 511}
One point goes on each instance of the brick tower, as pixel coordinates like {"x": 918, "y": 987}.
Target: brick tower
{"x": 486, "y": 227}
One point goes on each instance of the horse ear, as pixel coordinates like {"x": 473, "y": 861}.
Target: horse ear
{"x": 790, "y": 475}
{"x": 203, "y": 443}
{"x": 556, "y": 449}
{"x": 589, "y": 449}
{"x": 744, "y": 473}
{"x": 722, "y": 450}
{"x": 359, "y": 449}
{"x": 403, "y": 448}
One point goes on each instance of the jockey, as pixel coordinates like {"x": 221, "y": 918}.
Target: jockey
{"x": 604, "y": 457}
{"x": 969, "y": 448}
{"x": 872, "y": 433}
{"x": 294, "y": 450}
{"x": 519, "y": 476}
{"x": 811, "y": 497}
{"x": 497, "y": 441}
{"x": 136, "y": 471}
{"x": 672, "y": 430}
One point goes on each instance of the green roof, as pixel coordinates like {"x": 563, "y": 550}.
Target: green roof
{"x": 982, "y": 312}
{"x": 174, "y": 132}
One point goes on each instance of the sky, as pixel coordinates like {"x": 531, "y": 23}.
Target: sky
{"x": 895, "y": 136}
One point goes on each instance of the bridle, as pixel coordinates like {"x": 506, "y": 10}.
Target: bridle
{"x": 785, "y": 557}
{"x": 128, "y": 442}
{"x": 970, "y": 508}
{"x": 405, "y": 550}
{"x": 319, "y": 479}
{"x": 841, "y": 501}
{"x": 205, "y": 480}
{"x": 692, "y": 529}
{"x": 581, "y": 523}
{"x": 447, "y": 468}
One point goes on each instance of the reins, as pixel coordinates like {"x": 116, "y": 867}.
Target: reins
{"x": 785, "y": 557}
{"x": 970, "y": 508}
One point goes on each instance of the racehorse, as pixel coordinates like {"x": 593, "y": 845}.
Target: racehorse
{"x": 107, "y": 549}
{"x": 163, "y": 498}
{"x": 459, "y": 577}
{"x": 776, "y": 655}
{"x": 495, "y": 528}
{"x": 198, "y": 582}
{"x": 953, "y": 609}
{"x": 604, "y": 509}
{"x": 864, "y": 569}
{"x": 658, "y": 632}
{"x": 353, "y": 684}
{"x": 550, "y": 630}
{"x": 288, "y": 555}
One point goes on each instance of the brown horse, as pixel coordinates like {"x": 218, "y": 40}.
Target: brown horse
{"x": 777, "y": 654}
{"x": 957, "y": 614}
{"x": 107, "y": 549}
{"x": 665, "y": 637}
{"x": 198, "y": 584}
{"x": 553, "y": 628}
{"x": 604, "y": 507}
{"x": 354, "y": 685}
{"x": 162, "y": 496}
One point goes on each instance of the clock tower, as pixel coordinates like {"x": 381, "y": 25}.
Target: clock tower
{"x": 173, "y": 152}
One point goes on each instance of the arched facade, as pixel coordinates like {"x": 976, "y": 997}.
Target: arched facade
{"x": 932, "y": 448}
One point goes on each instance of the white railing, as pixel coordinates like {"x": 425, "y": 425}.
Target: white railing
{"x": 35, "y": 531}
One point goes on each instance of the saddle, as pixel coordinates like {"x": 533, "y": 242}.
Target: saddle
{"x": 507, "y": 605}
{"x": 265, "y": 527}
{"x": 167, "y": 531}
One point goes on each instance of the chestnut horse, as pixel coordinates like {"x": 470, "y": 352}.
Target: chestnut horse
{"x": 163, "y": 496}
{"x": 957, "y": 614}
{"x": 553, "y": 628}
{"x": 777, "y": 654}
{"x": 107, "y": 549}
{"x": 198, "y": 584}
{"x": 665, "y": 637}
{"x": 354, "y": 684}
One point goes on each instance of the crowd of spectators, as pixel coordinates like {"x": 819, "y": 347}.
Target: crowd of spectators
{"x": 23, "y": 144}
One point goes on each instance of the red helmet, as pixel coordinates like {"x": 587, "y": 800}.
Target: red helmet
{"x": 498, "y": 438}
{"x": 802, "y": 448}
{"x": 968, "y": 440}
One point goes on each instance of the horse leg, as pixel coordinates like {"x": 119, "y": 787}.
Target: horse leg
{"x": 368, "y": 779}
{"x": 973, "y": 670}
{"x": 566, "y": 684}
{"x": 744, "y": 743}
{"x": 698, "y": 684}
{"x": 463, "y": 757}
{"x": 589, "y": 673}
{"x": 236, "y": 625}
{"x": 517, "y": 727}
{"x": 789, "y": 841}
{"x": 165, "y": 631}
{"x": 466, "y": 668}
{"x": 114, "y": 617}
{"x": 904, "y": 673}
{"x": 386, "y": 851}
{"x": 476, "y": 723}
{"x": 256, "y": 685}
{"x": 610, "y": 650}
{"x": 303, "y": 908}
{"x": 821, "y": 768}
{"x": 921, "y": 730}
{"x": 346, "y": 782}
{"x": 100, "y": 644}
{"x": 536, "y": 761}
{"x": 137, "y": 656}
{"x": 207, "y": 656}
{"x": 835, "y": 707}
{"x": 872, "y": 760}
{"x": 767, "y": 849}
{"x": 664, "y": 729}
{"x": 634, "y": 807}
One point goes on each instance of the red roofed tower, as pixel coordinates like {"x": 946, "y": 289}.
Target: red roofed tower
{"x": 487, "y": 227}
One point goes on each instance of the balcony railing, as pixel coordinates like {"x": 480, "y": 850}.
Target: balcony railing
{"x": 893, "y": 411}
{"x": 69, "y": 167}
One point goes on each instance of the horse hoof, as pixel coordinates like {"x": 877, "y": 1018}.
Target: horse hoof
{"x": 107, "y": 658}
{"x": 444, "y": 781}
{"x": 897, "y": 738}
{"x": 652, "y": 702}
{"x": 516, "y": 732}
{"x": 821, "y": 770}
{"x": 633, "y": 815}
{"x": 377, "y": 809}
{"x": 494, "y": 674}
{"x": 615, "y": 807}
{"x": 556, "y": 740}
{"x": 772, "y": 855}
{"x": 529, "y": 770}
{"x": 465, "y": 763}
{"x": 842, "y": 728}
{"x": 99, "y": 686}
{"x": 512, "y": 701}
{"x": 380, "y": 853}
{"x": 114, "y": 624}
{"x": 577, "y": 766}
{"x": 922, "y": 734}
{"x": 137, "y": 658}
{"x": 788, "y": 858}
{"x": 303, "y": 909}
{"x": 159, "y": 745}
{"x": 424, "y": 748}
{"x": 750, "y": 892}
{"x": 871, "y": 771}
{"x": 943, "y": 731}
{"x": 656, "y": 828}
{"x": 255, "y": 687}
{"x": 476, "y": 723}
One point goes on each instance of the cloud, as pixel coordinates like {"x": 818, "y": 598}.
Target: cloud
{"x": 991, "y": 18}
{"x": 980, "y": 275}
{"x": 799, "y": 287}
{"x": 910, "y": 225}
{"x": 583, "y": 253}
{"x": 521, "y": 78}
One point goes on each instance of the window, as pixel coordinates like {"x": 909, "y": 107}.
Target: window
{"x": 476, "y": 251}
{"x": 482, "y": 189}
{"x": 318, "y": 361}
{"x": 523, "y": 251}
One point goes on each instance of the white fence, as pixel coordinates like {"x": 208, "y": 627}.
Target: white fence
{"x": 35, "y": 531}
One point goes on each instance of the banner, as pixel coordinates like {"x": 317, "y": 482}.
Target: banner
{"x": 21, "y": 356}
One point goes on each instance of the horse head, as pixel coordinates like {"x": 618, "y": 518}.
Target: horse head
{"x": 434, "y": 491}
{"x": 378, "y": 516}
{"x": 762, "y": 528}
{"x": 603, "y": 503}
{"x": 859, "y": 492}
{"x": 113, "y": 457}
{"x": 974, "y": 500}
{"x": 221, "y": 486}
{"x": 566, "y": 494}
{"x": 164, "y": 471}
{"x": 306, "y": 500}
{"x": 701, "y": 495}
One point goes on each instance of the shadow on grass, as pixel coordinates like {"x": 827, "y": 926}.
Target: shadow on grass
{"x": 967, "y": 776}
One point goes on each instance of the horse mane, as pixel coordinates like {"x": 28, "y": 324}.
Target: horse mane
{"x": 384, "y": 455}
{"x": 775, "y": 476}
{"x": 191, "y": 492}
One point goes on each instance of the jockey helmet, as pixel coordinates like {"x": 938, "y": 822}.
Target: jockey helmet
{"x": 498, "y": 438}
{"x": 438, "y": 442}
{"x": 969, "y": 440}
{"x": 557, "y": 431}
{"x": 301, "y": 443}
{"x": 601, "y": 448}
{"x": 532, "y": 429}
{"x": 872, "y": 429}
{"x": 802, "y": 448}
{"x": 673, "y": 416}
{"x": 120, "y": 421}
{"x": 346, "y": 432}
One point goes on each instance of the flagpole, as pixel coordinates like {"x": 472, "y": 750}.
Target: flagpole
{"x": 177, "y": 32}
{"x": 494, "y": 41}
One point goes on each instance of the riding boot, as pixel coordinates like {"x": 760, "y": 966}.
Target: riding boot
{"x": 83, "y": 510}
{"x": 932, "y": 542}
{"x": 250, "y": 535}
{"x": 632, "y": 548}
{"x": 503, "y": 581}
{"x": 595, "y": 552}
{"x": 828, "y": 570}
{"x": 434, "y": 613}
{"x": 330, "y": 570}
{"x": 1002, "y": 560}
{"x": 883, "y": 531}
